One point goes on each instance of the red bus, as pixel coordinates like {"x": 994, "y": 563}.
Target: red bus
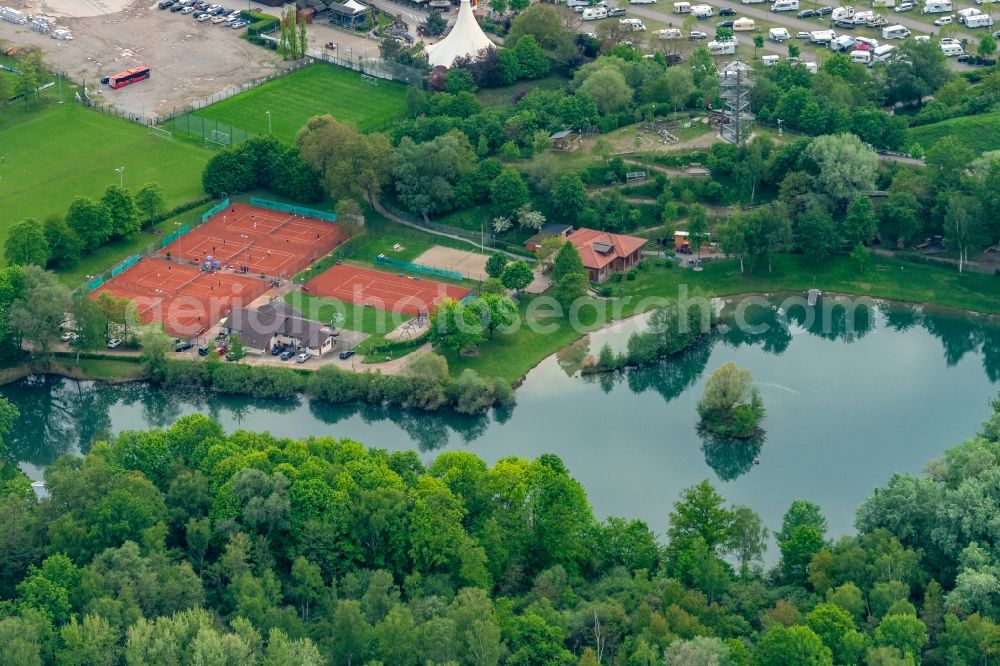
{"x": 128, "y": 76}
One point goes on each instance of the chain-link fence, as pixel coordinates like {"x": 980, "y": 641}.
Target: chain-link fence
{"x": 375, "y": 67}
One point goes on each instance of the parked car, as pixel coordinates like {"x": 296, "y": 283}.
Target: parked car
{"x": 287, "y": 354}
{"x": 184, "y": 345}
{"x": 944, "y": 20}
{"x": 277, "y": 349}
{"x": 725, "y": 24}
{"x": 114, "y": 343}
{"x": 222, "y": 349}
{"x": 216, "y": 20}
{"x": 804, "y": 35}
{"x": 203, "y": 350}
{"x": 905, "y": 7}
{"x": 236, "y": 25}
{"x": 727, "y": 11}
{"x": 616, "y": 11}
{"x": 188, "y": 10}
{"x": 344, "y": 355}
{"x": 165, "y": 4}
{"x": 68, "y": 335}
{"x": 963, "y": 58}
{"x": 201, "y": 18}
{"x": 698, "y": 34}
{"x": 807, "y": 13}
{"x": 825, "y": 11}
{"x": 177, "y": 7}
{"x": 302, "y": 357}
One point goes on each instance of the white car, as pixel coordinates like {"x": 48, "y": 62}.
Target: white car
{"x": 303, "y": 357}
{"x": 69, "y": 336}
{"x": 201, "y": 18}
{"x": 804, "y": 35}
{"x": 697, "y": 34}
{"x": 218, "y": 19}
{"x": 114, "y": 343}
{"x": 944, "y": 20}
{"x": 904, "y": 7}
{"x": 187, "y": 10}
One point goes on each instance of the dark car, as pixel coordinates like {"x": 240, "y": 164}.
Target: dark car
{"x": 965, "y": 57}
{"x": 183, "y": 346}
{"x": 616, "y": 11}
{"x": 287, "y": 354}
{"x": 203, "y": 350}
{"x": 277, "y": 349}
{"x": 727, "y": 11}
{"x": 344, "y": 355}
{"x": 177, "y": 7}
{"x": 725, "y": 24}
{"x": 165, "y": 4}
{"x": 825, "y": 11}
{"x": 807, "y": 13}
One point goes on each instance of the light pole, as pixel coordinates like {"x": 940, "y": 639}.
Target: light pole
{"x": 268, "y": 121}
{"x": 121, "y": 176}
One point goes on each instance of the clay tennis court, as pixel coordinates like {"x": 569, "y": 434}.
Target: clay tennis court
{"x": 185, "y": 299}
{"x": 384, "y": 291}
{"x": 264, "y": 241}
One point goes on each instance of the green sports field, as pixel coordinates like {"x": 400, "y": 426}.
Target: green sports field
{"x": 314, "y": 90}
{"x": 54, "y": 153}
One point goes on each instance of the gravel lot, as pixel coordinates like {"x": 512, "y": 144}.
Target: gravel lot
{"x": 189, "y": 60}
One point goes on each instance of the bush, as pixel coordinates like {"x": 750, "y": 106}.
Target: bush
{"x": 605, "y": 291}
{"x": 617, "y": 277}
{"x": 632, "y": 275}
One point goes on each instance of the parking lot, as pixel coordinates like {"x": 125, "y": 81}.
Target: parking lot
{"x": 189, "y": 60}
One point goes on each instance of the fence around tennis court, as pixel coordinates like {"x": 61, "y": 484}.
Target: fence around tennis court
{"x": 291, "y": 209}
{"x": 116, "y": 270}
{"x": 418, "y": 268}
{"x": 217, "y": 208}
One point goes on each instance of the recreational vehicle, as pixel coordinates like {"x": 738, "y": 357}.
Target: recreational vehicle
{"x": 979, "y": 21}
{"x": 966, "y": 13}
{"x": 573, "y": 4}
{"x": 778, "y": 34}
{"x": 743, "y": 24}
{"x": 984, "y": 2}
{"x": 682, "y": 8}
{"x": 936, "y": 7}
{"x": 769, "y": 60}
{"x": 632, "y": 24}
{"x": 594, "y": 13}
{"x": 752, "y": 2}
{"x": 842, "y": 13}
{"x": 823, "y": 37}
{"x": 642, "y": 2}
{"x": 883, "y": 3}
{"x": 811, "y": 67}
{"x": 882, "y": 53}
{"x": 724, "y": 47}
{"x": 952, "y": 50}
{"x": 702, "y": 11}
{"x": 670, "y": 33}
{"x": 842, "y": 43}
{"x": 785, "y": 6}
{"x": 864, "y": 57}
{"x": 895, "y": 32}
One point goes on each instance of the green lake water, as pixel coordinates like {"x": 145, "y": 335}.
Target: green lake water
{"x": 849, "y": 404}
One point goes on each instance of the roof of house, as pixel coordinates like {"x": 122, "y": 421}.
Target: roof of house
{"x": 548, "y": 231}
{"x": 349, "y": 8}
{"x": 256, "y": 327}
{"x": 599, "y": 248}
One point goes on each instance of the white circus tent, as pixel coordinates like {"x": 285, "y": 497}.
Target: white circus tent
{"x": 465, "y": 39}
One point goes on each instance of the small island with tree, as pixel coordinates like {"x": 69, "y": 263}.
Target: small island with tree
{"x": 731, "y": 405}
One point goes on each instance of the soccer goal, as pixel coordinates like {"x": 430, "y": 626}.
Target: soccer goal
{"x": 161, "y": 132}
{"x": 221, "y": 138}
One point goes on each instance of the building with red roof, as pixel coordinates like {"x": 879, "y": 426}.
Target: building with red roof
{"x": 605, "y": 253}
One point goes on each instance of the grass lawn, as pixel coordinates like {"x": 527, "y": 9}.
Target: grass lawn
{"x": 55, "y": 152}
{"x": 314, "y": 90}
{"x": 980, "y": 133}
{"x": 501, "y": 96}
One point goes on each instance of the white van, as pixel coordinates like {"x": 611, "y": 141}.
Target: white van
{"x": 769, "y": 60}
{"x": 842, "y": 13}
{"x": 895, "y": 32}
{"x": 670, "y": 33}
{"x": 864, "y": 57}
{"x": 952, "y": 50}
{"x": 778, "y": 34}
{"x": 936, "y": 7}
{"x": 702, "y": 11}
{"x": 979, "y": 21}
{"x": 785, "y": 6}
{"x": 682, "y": 8}
{"x": 594, "y": 13}
{"x": 725, "y": 47}
{"x": 882, "y": 53}
{"x": 632, "y": 24}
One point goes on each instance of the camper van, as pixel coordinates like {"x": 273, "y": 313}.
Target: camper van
{"x": 979, "y": 21}
{"x": 966, "y": 13}
{"x": 778, "y": 34}
{"x": 702, "y": 11}
{"x": 883, "y": 3}
{"x": 752, "y": 2}
{"x": 785, "y": 6}
{"x": 952, "y": 50}
{"x": 823, "y": 37}
{"x": 811, "y": 67}
{"x": 682, "y": 8}
{"x": 936, "y": 7}
{"x": 895, "y": 32}
{"x": 632, "y": 24}
{"x": 984, "y": 2}
{"x": 594, "y": 13}
{"x": 642, "y": 2}
{"x": 864, "y": 57}
{"x": 769, "y": 60}
{"x": 722, "y": 47}
{"x": 842, "y": 13}
{"x": 882, "y": 53}
{"x": 670, "y": 33}
{"x": 842, "y": 43}
{"x": 743, "y": 24}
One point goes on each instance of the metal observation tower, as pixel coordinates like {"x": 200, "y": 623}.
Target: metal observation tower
{"x": 735, "y": 83}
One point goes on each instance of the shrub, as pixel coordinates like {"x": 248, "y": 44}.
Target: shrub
{"x": 632, "y": 275}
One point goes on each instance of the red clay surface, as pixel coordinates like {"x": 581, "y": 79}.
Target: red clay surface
{"x": 266, "y": 241}
{"x": 185, "y": 299}
{"x": 385, "y": 291}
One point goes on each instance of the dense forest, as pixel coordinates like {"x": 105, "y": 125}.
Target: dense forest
{"x": 190, "y": 546}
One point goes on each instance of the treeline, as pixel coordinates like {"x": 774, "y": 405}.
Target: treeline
{"x": 187, "y": 545}
{"x": 262, "y": 162}
{"x": 59, "y": 242}
{"x": 425, "y": 383}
